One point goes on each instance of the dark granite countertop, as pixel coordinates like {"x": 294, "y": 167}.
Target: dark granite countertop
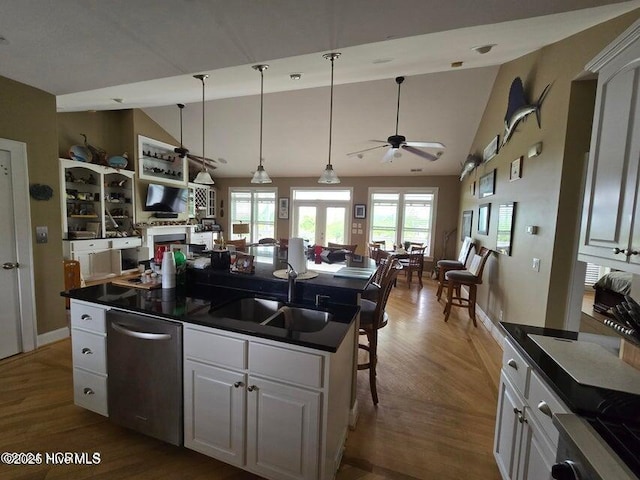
{"x": 191, "y": 307}
{"x": 581, "y": 399}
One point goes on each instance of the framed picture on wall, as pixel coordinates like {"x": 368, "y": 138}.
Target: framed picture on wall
{"x": 283, "y": 208}
{"x": 516, "y": 169}
{"x": 467, "y": 221}
{"x": 484, "y": 213}
{"x": 360, "y": 211}
{"x": 487, "y": 184}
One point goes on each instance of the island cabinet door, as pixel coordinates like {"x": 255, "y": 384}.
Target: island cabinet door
{"x": 283, "y": 430}
{"x": 214, "y": 412}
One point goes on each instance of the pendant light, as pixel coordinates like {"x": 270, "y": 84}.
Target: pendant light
{"x": 261, "y": 175}
{"x": 203, "y": 177}
{"x": 329, "y": 175}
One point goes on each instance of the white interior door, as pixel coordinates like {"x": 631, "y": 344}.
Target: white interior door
{"x": 10, "y": 337}
{"x": 321, "y": 223}
{"x": 17, "y": 295}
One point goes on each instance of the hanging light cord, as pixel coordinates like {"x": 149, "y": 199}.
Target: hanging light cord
{"x": 261, "y": 108}
{"x": 332, "y": 58}
{"x": 398, "y": 108}
{"x": 203, "y": 164}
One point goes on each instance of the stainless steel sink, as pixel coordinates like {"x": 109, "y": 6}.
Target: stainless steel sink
{"x": 299, "y": 319}
{"x": 274, "y": 314}
{"x": 248, "y": 309}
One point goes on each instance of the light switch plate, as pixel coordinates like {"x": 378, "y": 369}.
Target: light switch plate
{"x": 535, "y": 264}
{"x": 42, "y": 234}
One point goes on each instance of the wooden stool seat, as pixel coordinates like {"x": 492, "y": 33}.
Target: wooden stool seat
{"x": 471, "y": 278}
{"x": 443, "y": 266}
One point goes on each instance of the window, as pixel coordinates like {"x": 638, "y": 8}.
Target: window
{"x": 257, "y": 207}
{"x": 403, "y": 215}
{"x": 321, "y": 215}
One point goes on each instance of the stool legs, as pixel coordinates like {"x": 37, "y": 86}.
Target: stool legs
{"x": 372, "y": 350}
{"x": 458, "y": 301}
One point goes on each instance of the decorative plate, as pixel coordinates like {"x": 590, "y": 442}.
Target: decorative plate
{"x": 118, "y": 161}
{"x": 80, "y": 153}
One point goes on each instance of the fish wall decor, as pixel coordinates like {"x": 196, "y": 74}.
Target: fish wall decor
{"x": 518, "y": 108}
{"x": 470, "y": 163}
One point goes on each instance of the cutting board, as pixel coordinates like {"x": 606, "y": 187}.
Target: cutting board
{"x": 131, "y": 282}
{"x": 590, "y": 364}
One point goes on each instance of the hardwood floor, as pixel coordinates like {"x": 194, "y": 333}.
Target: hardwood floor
{"x": 437, "y": 384}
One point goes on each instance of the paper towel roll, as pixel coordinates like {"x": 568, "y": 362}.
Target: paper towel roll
{"x": 296, "y": 256}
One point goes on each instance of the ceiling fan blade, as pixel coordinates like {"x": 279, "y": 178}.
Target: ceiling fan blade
{"x": 380, "y": 141}
{"x": 195, "y": 160}
{"x": 420, "y": 153}
{"x": 390, "y": 155}
{"x": 426, "y": 144}
{"x": 360, "y": 152}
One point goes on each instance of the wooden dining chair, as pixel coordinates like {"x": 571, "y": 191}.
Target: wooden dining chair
{"x": 470, "y": 278}
{"x": 373, "y": 317}
{"x": 351, "y": 248}
{"x": 283, "y": 243}
{"x": 444, "y": 266}
{"x": 374, "y": 252}
{"x": 241, "y": 244}
{"x": 414, "y": 263}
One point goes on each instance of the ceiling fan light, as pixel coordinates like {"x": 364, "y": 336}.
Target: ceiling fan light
{"x": 261, "y": 176}
{"x": 397, "y": 153}
{"x": 329, "y": 175}
{"x": 204, "y": 178}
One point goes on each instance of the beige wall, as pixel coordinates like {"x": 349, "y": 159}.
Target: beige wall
{"x": 511, "y": 286}
{"x": 29, "y": 115}
{"x": 447, "y": 211}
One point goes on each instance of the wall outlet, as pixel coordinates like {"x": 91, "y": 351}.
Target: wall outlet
{"x": 42, "y": 234}
{"x": 535, "y": 265}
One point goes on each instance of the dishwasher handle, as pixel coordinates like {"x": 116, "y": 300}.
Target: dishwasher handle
{"x": 142, "y": 335}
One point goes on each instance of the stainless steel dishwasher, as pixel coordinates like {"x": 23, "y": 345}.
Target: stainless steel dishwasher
{"x": 144, "y": 361}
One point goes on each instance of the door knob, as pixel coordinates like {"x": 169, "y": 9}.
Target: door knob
{"x": 10, "y": 266}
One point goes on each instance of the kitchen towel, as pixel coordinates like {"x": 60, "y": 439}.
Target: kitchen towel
{"x": 296, "y": 256}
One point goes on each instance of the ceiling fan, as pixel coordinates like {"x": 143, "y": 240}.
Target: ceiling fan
{"x": 398, "y": 142}
{"x": 194, "y": 159}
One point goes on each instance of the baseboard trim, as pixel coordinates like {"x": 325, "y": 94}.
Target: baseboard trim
{"x": 353, "y": 415}
{"x": 53, "y": 336}
{"x": 486, "y": 321}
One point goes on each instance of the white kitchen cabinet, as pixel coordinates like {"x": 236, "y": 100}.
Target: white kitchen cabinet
{"x": 89, "y": 353}
{"x": 202, "y": 201}
{"x": 104, "y": 257}
{"x": 96, "y": 201}
{"x": 264, "y": 406}
{"x": 201, "y": 238}
{"x": 610, "y": 231}
{"x": 525, "y": 438}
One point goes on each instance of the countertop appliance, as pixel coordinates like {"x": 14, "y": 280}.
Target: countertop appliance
{"x": 144, "y": 360}
{"x": 605, "y": 430}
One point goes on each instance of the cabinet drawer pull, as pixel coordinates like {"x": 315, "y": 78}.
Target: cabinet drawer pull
{"x": 87, "y": 351}
{"x": 628, "y": 252}
{"x": 617, "y": 250}
{"x": 88, "y": 391}
{"x": 86, "y": 317}
{"x": 251, "y": 388}
{"x": 513, "y": 364}
{"x": 238, "y": 384}
{"x": 544, "y": 408}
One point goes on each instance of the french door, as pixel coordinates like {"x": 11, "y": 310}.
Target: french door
{"x": 321, "y": 222}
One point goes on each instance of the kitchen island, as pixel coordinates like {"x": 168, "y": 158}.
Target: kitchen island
{"x": 272, "y": 397}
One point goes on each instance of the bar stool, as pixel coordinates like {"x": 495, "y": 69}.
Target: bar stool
{"x": 460, "y": 264}
{"x": 373, "y": 317}
{"x": 471, "y": 278}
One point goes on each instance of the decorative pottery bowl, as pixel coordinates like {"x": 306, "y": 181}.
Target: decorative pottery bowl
{"x": 80, "y": 153}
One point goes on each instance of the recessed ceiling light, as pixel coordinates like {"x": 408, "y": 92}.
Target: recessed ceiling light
{"x": 456, "y": 64}
{"x": 118, "y": 100}
{"x": 482, "y": 49}
{"x": 3, "y": 40}
{"x": 295, "y": 76}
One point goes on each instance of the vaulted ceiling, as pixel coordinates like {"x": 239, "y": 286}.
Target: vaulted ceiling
{"x": 97, "y": 55}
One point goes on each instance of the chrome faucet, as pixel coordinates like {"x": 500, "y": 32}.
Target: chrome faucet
{"x": 291, "y": 278}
